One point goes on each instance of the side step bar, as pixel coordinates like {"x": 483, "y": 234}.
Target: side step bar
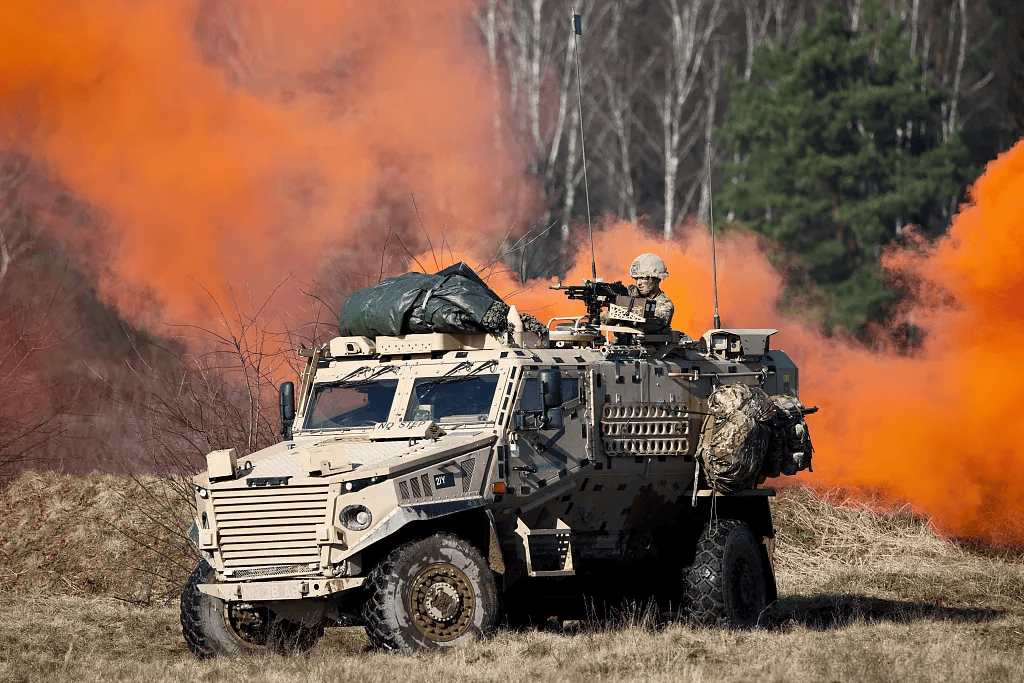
{"x": 548, "y": 548}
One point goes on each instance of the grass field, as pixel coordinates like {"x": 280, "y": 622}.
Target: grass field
{"x": 864, "y": 596}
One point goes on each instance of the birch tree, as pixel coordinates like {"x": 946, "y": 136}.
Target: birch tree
{"x": 690, "y": 26}
{"x": 620, "y": 85}
{"x": 15, "y": 236}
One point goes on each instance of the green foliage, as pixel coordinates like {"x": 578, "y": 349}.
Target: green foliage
{"x": 840, "y": 145}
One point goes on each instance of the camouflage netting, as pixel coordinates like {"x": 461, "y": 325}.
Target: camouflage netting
{"x": 750, "y": 436}
{"x": 452, "y": 300}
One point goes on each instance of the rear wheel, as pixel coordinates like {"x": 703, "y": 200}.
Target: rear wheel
{"x": 215, "y": 628}
{"x": 430, "y": 594}
{"x": 725, "y": 585}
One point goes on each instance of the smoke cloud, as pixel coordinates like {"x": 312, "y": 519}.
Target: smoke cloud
{"x": 939, "y": 428}
{"x": 237, "y": 142}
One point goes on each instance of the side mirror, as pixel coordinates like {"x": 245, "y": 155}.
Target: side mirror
{"x": 286, "y": 401}
{"x": 550, "y": 388}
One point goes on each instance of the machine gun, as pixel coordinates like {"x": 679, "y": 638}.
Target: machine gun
{"x": 596, "y": 294}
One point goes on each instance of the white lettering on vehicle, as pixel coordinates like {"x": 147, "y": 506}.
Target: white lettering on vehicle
{"x": 413, "y": 424}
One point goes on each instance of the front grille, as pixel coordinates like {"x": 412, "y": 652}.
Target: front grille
{"x": 282, "y": 570}
{"x": 263, "y": 529}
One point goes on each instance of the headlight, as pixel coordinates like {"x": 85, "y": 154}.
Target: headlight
{"x": 355, "y": 517}
{"x": 360, "y": 484}
{"x": 203, "y": 493}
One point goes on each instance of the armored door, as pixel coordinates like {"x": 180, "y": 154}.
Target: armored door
{"x": 547, "y": 442}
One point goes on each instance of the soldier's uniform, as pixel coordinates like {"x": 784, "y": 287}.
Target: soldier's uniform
{"x": 661, "y": 323}
{"x": 651, "y": 268}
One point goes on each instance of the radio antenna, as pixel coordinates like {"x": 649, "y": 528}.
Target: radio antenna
{"x": 714, "y": 260}
{"x": 577, "y": 30}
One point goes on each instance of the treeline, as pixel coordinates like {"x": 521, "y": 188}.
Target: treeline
{"x": 919, "y": 95}
{"x": 829, "y": 133}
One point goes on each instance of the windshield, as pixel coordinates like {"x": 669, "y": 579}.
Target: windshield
{"x": 336, "y": 406}
{"x": 444, "y": 399}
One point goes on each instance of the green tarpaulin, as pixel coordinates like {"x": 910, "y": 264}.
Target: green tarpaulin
{"x": 452, "y": 300}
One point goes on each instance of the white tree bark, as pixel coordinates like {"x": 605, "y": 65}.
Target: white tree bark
{"x": 534, "y": 43}
{"x": 571, "y": 183}
{"x": 756, "y": 21}
{"x": 712, "y": 84}
{"x": 691, "y": 23}
{"x": 952, "y": 124}
{"x": 621, "y": 83}
{"x": 15, "y": 236}
{"x": 488, "y": 24}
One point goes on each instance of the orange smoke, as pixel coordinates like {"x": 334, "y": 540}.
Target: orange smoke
{"x": 246, "y": 142}
{"x": 941, "y": 428}
{"x": 237, "y": 142}
{"x": 618, "y": 242}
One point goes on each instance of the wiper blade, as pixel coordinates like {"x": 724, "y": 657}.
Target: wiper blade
{"x": 448, "y": 376}
{"x": 451, "y": 378}
{"x": 351, "y": 379}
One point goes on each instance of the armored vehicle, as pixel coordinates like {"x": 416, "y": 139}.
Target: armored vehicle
{"x": 433, "y": 486}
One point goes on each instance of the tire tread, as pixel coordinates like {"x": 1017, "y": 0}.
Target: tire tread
{"x": 705, "y": 593}
{"x": 383, "y": 631}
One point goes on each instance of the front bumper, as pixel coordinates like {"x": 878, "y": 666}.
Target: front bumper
{"x": 294, "y": 589}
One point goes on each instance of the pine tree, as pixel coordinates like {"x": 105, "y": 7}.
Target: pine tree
{"x": 840, "y": 148}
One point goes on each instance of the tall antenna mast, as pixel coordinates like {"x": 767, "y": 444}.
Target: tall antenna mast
{"x": 577, "y": 30}
{"x": 714, "y": 260}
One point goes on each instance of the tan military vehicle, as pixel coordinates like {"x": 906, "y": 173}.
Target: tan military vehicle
{"x": 433, "y": 486}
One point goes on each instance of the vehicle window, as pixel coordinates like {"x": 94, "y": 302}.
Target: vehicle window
{"x": 531, "y": 400}
{"x": 334, "y": 407}
{"x": 452, "y": 400}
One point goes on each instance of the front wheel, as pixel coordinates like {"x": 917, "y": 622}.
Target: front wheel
{"x": 215, "y": 628}
{"x": 430, "y": 594}
{"x": 725, "y": 585}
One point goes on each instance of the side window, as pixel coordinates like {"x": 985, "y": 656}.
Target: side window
{"x": 531, "y": 400}
{"x": 570, "y": 389}
{"x": 531, "y": 395}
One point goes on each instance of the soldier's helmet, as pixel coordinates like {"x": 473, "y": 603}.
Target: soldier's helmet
{"x": 648, "y": 265}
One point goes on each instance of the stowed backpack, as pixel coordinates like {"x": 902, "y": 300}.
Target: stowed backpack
{"x": 750, "y": 436}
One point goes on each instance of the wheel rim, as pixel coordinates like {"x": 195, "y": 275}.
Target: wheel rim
{"x": 247, "y": 624}
{"x": 743, "y": 587}
{"x": 441, "y": 602}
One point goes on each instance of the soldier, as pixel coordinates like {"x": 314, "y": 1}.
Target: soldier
{"x": 649, "y": 270}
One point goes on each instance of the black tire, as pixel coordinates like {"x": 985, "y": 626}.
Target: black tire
{"x": 431, "y": 594}
{"x": 725, "y": 584}
{"x": 214, "y": 628}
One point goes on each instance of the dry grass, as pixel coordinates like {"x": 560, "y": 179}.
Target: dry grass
{"x": 850, "y": 548}
{"x": 864, "y": 596}
{"x": 97, "y": 639}
{"x": 95, "y": 535}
